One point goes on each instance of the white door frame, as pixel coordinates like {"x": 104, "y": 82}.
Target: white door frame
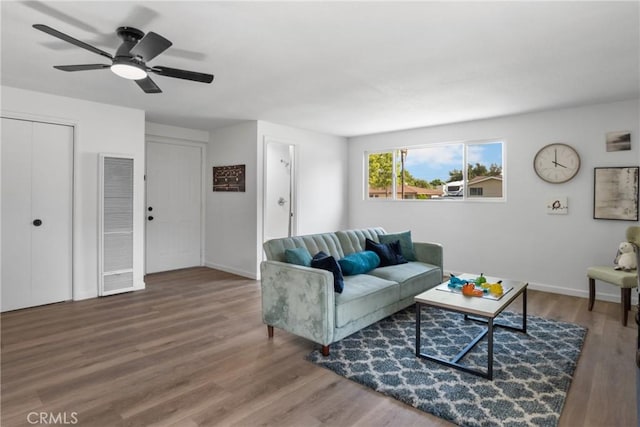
{"x": 74, "y": 178}
{"x": 294, "y": 184}
{"x": 203, "y": 159}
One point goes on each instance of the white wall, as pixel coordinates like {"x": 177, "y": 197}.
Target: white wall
{"x": 516, "y": 238}
{"x": 231, "y": 218}
{"x": 321, "y": 176}
{"x": 98, "y": 128}
{"x": 175, "y": 132}
{"x": 234, "y": 220}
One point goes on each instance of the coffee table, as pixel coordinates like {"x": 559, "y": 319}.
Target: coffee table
{"x": 473, "y": 308}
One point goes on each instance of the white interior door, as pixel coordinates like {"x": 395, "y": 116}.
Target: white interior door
{"x": 279, "y": 204}
{"x": 37, "y": 185}
{"x": 174, "y": 206}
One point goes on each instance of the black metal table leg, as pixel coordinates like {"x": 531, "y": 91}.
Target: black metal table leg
{"x": 418, "y": 305}
{"x": 490, "y": 349}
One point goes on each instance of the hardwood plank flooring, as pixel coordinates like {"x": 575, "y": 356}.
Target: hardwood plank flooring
{"x": 191, "y": 350}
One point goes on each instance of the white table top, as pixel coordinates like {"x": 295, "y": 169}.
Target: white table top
{"x": 484, "y": 307}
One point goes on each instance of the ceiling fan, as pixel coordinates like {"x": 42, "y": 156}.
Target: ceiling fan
{"x": 131, "y": 57}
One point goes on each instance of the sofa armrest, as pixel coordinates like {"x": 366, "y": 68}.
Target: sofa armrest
{"x": 298, "y": 299}
{"x": 430, "y": 253}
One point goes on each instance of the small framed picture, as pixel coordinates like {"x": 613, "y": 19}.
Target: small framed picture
{"x": 615, "y": 193}
{"x": 619, "y": 141}
{"x": 229, "y": 178}
{"x": 557, "y": 206}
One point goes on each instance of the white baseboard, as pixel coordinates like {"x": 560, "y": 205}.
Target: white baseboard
{"x": 84, "y": 295}
{"x": 79, "y": 296}
{"x": 243, "y": 273}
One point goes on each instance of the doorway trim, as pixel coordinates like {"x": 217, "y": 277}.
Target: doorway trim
{"x": 203, "y": 159}
{"x": 293, "y": 185}
{"x": 75, "y": 293}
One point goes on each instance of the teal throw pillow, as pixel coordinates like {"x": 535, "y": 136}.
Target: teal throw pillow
{"x": 299, "y": 256}
{"x": 406, "y": 244}
{"x": 359, "y": 263}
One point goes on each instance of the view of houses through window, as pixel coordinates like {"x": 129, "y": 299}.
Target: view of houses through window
{"x": 437, "y": 172}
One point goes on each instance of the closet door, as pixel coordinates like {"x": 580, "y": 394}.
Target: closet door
{"x": 37, "y": 183}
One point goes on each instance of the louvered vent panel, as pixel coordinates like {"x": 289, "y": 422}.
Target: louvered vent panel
{"x": 117, "y": 282}
{"x": 118, "y": 251}
{"x": 116, "y": 237}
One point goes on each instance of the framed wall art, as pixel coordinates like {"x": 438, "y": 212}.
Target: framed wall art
{"x": 615, "y": 193}
{"x": 618, "y": 141}
{"x": 229, "y": 178}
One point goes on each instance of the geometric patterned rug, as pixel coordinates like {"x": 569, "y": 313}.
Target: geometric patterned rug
{"x": 532, "y": 372}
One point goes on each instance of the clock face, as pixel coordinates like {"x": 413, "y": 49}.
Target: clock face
{"x": 556, "y": 163}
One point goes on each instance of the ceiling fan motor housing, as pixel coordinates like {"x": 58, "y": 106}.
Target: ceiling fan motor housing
{"x": 130, "y": 37}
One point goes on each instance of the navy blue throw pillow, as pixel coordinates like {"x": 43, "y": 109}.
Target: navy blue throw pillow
{"x": 389, "y": 253}
{"x": 329, "y": 263}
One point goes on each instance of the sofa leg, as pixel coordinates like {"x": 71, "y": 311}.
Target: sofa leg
{"x": 325, "y": 350}
{"x": 592, "y": 292}
{"x": 270, "y": 331}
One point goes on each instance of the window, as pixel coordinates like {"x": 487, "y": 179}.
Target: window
{"x": 437, "y": 172}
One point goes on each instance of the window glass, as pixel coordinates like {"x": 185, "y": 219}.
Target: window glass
{"x": 437, "y": 172}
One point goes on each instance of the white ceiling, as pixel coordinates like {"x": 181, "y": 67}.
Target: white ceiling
{"x": 336, "y": 67}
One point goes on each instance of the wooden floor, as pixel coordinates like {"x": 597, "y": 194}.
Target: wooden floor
{"x": 191, "y": 350}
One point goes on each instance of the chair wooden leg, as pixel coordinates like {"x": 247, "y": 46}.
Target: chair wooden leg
{"x": 270, "y": 331}
{"x": 325, "y": 350}
{"x": 625, "y": 294}
{"x": 592, "y": 292}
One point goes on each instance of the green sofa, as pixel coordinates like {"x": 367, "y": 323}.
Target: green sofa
{"x": 301, "y": 300}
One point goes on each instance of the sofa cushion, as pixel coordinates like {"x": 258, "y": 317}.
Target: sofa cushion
{"x": 406, "y": 244}
{"x": 353, "y": 240}
{"x": 329, "y": 263}
{"x": 298, "y": 256}
{"x": 413, "y": 277}
{"x": 364, "y": 294}
{"x": 389, "y": 253}
{"x": 328, "y": 243}
{"x": 359, "y": 263}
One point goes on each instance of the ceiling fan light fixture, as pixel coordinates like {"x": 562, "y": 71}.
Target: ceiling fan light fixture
{"x": 129, "y": 71}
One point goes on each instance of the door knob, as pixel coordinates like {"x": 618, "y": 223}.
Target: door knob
{"x": 150, "y": 208}
{"x": 37, "y": 222}
{"x": 281, "y": 201}
{"x": 150, "y": 218}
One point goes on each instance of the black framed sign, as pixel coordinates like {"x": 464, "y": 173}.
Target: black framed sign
{"x": 229, "y": 178}
{"x": 615, "y": 194}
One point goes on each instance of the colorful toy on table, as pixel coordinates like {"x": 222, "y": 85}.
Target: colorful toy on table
{"x": 456, "y": 282}
{"x": 496, "y": 288}
{"x": 476, "y": 288}
{"x": 470, "y": 290}
{"x": 480, "y": 280}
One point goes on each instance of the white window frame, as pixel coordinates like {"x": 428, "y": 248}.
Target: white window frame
{"x": 466, "y": 197}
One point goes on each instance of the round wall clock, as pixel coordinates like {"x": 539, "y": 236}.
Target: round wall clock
{"x": 556, "y": 163}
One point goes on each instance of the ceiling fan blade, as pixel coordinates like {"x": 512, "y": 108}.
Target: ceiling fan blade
{"x": 148, "y": 85}
{"x": 71, "y": 40}
{"x": 150, "y": 46}
{"x": 183, "y": 74}
{"x": 84, "y": 67}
